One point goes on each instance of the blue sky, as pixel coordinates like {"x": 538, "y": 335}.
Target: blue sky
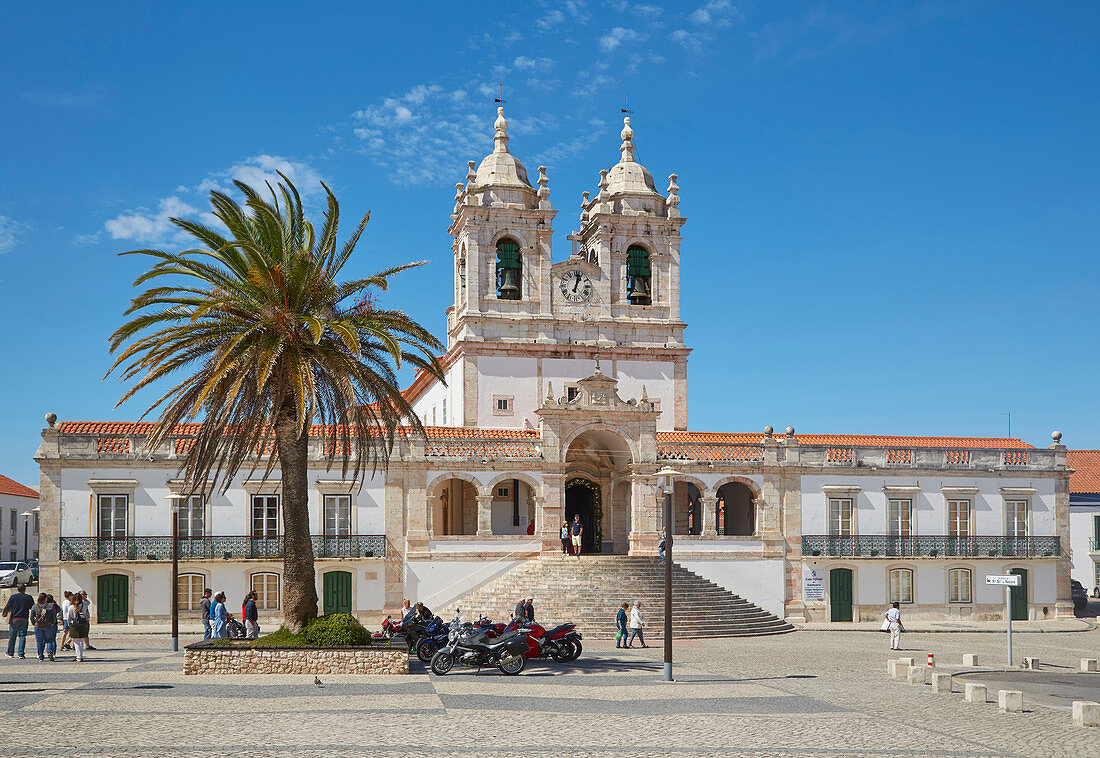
{"x": 892, "y": 207}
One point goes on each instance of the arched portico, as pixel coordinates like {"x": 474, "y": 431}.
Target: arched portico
{"x": 453, "y": 500}
{"x": 597, "y": 459}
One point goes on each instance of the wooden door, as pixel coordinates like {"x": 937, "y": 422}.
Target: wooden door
{"x": 1017, "y": 600}
{"x": 840, "y": 594}
{"x": 113, "y": 598}
{"x": 337, "y": 592}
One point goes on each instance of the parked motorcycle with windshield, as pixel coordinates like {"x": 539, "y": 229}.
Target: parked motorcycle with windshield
{"x": 481, "y": 647}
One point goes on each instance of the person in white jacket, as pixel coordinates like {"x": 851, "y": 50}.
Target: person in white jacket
{"x": 636, "y": 624}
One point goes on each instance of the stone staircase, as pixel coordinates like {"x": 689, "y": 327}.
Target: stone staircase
{"x": 588, "y": 592}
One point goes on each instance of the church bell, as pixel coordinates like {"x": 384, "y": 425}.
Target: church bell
{"x": 638, "y": 293}
{"x": 508, "y": 289}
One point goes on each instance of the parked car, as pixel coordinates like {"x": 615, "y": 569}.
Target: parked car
{"x": 12, "y": 573}
{"x": 1078, "y": 594}
{"x": 33, "y": 563}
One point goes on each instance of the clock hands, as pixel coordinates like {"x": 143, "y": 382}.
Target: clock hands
{"x": 578, "y": 275}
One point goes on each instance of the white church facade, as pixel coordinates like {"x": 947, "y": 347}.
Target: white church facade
{"x": 565, "y": 393}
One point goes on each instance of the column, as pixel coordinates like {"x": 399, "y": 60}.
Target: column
{"x": 484, "y": 515}
{"x": 394, "y": 577}
{"x": 644, "y": 512}
{"x": 709, "y": 505}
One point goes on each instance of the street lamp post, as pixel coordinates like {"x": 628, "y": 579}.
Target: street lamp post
{"x": 667, "y": 477}
{"x": 175, "y": 500}
{"x": 26, "y": 526}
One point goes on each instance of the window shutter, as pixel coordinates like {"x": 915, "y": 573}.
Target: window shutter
{"x": 507, "y": 254}
{"x": 637, "y": 262}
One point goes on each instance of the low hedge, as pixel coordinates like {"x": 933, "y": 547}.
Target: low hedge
{"x": 333, "y": 630}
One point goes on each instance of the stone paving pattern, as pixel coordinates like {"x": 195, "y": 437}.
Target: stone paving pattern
{"x": 803, "y": 694}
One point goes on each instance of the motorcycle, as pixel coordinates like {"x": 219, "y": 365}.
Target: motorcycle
{"x": 389, "y": 629}
{"x": 433, "y": 637}
{"x": 480, "y": 647}
{"x": 562, "y": 643}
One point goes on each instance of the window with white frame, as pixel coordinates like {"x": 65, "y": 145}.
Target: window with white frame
{"x": 337, "y": 515}
{"x": 191, "y": 517}
{"x": 1016, "y": 518}
{"x": 958, "y": 585}
{"x": 191, "y": 587}
{"x": 265, "y": 515}
{"x": 900, "y": 515}
{"x": 571, "y": 392}
{"x": 502, "y": 405}
{"x": 958, "y": 518}
{"x": 901, "y": 585}
{"x": 444, "y": 411}
{"x": 14, "y": 519}
{"x": 36, "y": 523}
{"x": 112, "y": 515}
{"x": 840, "y": 517}
{"x": 503, "y": 492}
{"x": 266, "y": 587}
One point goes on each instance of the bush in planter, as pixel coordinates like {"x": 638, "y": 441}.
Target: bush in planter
{"x": 336, "y": 630}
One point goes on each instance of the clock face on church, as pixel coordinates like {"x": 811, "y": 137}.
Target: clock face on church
{"x": 575, "y": 286}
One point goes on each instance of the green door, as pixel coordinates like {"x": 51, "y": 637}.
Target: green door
{"x": 1018, "y": 597}
{"x": 113, "y": 598}
{"x": 337, "y": 592}
{"x": 840, "y": 594}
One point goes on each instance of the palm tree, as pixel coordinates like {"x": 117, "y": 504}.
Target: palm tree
{"x": 262, "y": 344}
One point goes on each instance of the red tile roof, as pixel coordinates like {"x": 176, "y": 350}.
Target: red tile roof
{"x": 1085, "y": 478}
{"x": 12, "y": 487}
{"x": 866, "y": 440}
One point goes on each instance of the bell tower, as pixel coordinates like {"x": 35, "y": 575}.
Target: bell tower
{"x": 501, "y": 230}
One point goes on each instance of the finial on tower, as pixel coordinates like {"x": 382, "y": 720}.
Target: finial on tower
{"x": 544, "y": 188}
{"x": 471, "y": 173}
{"x": 549, "y": 392}
{"x": 627, "y": 148}
{"x": 500, "y": 139}
{"x": 598, "y": 364}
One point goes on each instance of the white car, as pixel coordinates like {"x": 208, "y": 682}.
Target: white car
{"x": 12, "y": 573}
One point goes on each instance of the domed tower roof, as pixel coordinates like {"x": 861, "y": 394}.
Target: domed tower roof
{"x": 628, "y": 177}
{"x": 500, "y": 168}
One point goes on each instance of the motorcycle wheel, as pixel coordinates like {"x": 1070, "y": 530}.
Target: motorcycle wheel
{"x": 575, "y": 650}
{"x": 513, "y": 667}
{"x": 442, "y": 663}
{"x": 426, "y": 649}
{"x": 563, "y": 653}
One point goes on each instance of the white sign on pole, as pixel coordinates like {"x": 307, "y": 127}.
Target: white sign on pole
{"x": 1006, "y": 580}
{"x": 813, "y": 584}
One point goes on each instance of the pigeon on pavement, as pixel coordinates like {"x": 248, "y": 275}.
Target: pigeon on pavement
{"x": 318, "y": 682}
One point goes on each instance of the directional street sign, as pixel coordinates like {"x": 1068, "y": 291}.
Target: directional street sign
{"x": 1007, "y": 580}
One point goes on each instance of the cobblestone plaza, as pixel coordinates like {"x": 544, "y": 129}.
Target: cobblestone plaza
{"x": 804, "y": 694}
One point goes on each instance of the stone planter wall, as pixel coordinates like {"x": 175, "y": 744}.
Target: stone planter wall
{"x": 207, "y": 659}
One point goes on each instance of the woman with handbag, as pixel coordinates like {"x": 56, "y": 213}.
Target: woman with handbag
{"x": 78, "y": 628}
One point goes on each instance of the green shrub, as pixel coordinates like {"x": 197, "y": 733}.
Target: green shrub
{"x": 335, "y": 630}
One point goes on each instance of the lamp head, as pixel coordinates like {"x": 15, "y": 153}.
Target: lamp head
{"x": 667, "y": 477}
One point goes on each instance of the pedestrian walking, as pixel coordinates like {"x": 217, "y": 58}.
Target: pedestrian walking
{"x": 661, "y": 547}
{"x": 204, "y": 613}
{"x": 18, "y": 612}
{"x": 565, "y": 538}
{"x": 78, "y": 627}
{"x": 620, "y": 625}
{"x": 66, "y": 640}
{"x": 44, "y": 615}
{"x": 893, "y": 623}
{"x": 577, "y": 532}
{"x": 251, "y": 617}
{"x": 219, "y": 617}
{"x": 86, "y": 613}
{"x": 529, "y": 609}
{"x": 636, "y": 624}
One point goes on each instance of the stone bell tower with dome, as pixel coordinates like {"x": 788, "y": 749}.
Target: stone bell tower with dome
{"x": 520, "y": 323}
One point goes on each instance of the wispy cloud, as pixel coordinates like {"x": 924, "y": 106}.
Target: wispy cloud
{"x": 550, "y": 20}
{"x": 87, "y": 99}
{"x": 614, "y": 39}
{"x": 523, "y": 63}
{"x": 11, "y": 231}
{"x": 153, "y": 225}
{"x": 717, "y": 13}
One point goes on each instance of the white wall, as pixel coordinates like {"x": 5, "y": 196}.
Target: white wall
{"x": 759, "y": 582}
{"x": 227, "y": 514}
{"x": 12, "y": 534}
{"x": 507, "y": 375}
{"x": 435, "y": 394}
{"x": 1081, "y": 531}
{"x": 440, "y": 583}
{"x": 657, "y": 378}
{"x": 930, "y": 506}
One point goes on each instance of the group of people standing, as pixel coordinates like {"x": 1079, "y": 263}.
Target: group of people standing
{"x": 23, "y": 613}
{"x": 216, "y": 620}
{"x": 571, "y": 536}
{"x": 525, "y": 610}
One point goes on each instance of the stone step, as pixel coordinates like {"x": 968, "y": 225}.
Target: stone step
{"x": 589, "y": 591}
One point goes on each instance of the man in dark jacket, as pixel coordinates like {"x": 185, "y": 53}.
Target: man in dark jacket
{"x": 18, "y": 612}
{"x": 204, "y": 611}
{"x": 251, "y": 617}
{"x": 529, "y": 609}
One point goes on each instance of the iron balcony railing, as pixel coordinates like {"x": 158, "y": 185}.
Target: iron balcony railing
{"x": 215, "y": 548}
{"x": 929, "y": 546}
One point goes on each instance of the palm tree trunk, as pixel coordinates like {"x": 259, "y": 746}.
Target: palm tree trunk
{"x": 299, "y": 580}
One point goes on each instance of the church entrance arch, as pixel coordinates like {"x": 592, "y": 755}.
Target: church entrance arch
{"x": 583, "y": 498}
